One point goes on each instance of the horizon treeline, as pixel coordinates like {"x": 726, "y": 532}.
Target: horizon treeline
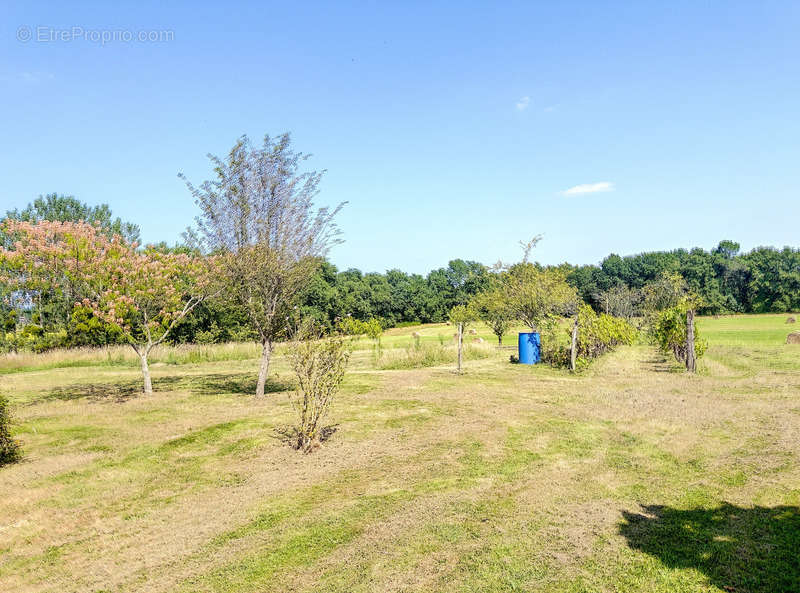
{"x": 765, "y": 279}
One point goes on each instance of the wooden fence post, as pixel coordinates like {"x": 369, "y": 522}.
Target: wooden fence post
{"x": 460, "y": 343}
{"x": 573, "y": 351}
{"x": 691, "y": 362}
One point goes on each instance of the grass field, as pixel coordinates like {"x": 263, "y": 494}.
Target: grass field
{"x": 631, "y": 476}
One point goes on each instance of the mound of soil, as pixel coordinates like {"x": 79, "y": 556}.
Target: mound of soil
{"x": 791, "y": 319}
{"x": 793, "y": 338}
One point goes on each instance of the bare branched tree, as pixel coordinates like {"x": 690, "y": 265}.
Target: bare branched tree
{"x": 258, "y": 216}
{"x": 620, "y": 301}
{"x": 527, "y": 247}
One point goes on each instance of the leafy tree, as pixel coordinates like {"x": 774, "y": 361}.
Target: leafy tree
{"x": 589, "y": 282}
{"x": 49, "y": 305}
{"x": 257, "y": 215}
{"x": 539, "y": 297}
{"x": 147, "y": 294}
{"x": 455, "y": 285}
{"x": 55, "y": 207}
{"x": 765, "y": 279}
{"x": 213, "y": 321}
{"x": 319, "y": 299}
{"x": 664, "y": 293}
{"x": 774, "y": 279}
{"x": 142, "y": 295}
{"x": 620, "y": 301}
{"x": 726, "y": 249}
{"x": 48, "y": 266}
{"x": 494, "y": 310}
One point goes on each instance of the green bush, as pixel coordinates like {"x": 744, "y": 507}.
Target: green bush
{"x": 668, "y": 332}
{"x": 597, "y": 334}
{"x": 84, "y": 329}
{"x": 350, "y": 326}
{"x": 554, "y": 346}
{"x": 10, "y": 450}
{"x": 50, "y": 340}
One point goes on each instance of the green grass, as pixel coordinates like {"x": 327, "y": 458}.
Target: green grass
{"x": 631, "y": 476}
{"x": 747, "y": 330}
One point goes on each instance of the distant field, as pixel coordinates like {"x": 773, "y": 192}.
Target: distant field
{"x": 630, "y": 477}
{"x": 744, "y": 330}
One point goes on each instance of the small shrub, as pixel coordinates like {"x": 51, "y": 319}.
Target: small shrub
{"x": 373, "y": 329}
{"x": 350, "y": 326}
{"x": 10, "y": 450}
{"x": 319, "y": 364}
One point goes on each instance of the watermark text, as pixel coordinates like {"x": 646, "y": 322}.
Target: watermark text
{"x": 47, "y": 34}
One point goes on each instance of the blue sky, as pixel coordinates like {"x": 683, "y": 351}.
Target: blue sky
{"x": 453, "y": 129}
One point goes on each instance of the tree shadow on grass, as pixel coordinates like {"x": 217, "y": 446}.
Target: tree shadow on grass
{"x": 114, "y": 392}
{"x": 214, "y": 384}
{"x": 663, "y": 364}
{"x": 288, "y": 434}
{"x": 232, "y": 383}
{"x": 742, "y": 550}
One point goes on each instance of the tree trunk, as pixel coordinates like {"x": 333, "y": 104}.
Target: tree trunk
{"x": 148, "y": 384}
{"x": 460, "y": 344}
{"x": 573, "y": 351}
{"x": 263, "y": 370}
{"x": 691, "y": 363}
{"x": 500, "y": 341}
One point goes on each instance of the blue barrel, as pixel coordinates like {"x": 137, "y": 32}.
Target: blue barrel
{"x": 529, "y": 348}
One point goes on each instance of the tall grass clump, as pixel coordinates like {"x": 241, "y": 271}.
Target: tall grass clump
{"x": 66, "y": 358}
{"x": 419, "y": 355}
{"x": 122, "y": 356}
{"x": 10, "y": 450}
{"x": 200, "y": 353}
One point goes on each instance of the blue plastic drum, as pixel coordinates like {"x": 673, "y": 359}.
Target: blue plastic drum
{"x": 529, "y": 344}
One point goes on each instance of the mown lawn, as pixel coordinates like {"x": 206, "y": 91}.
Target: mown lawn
{"x": 629, "y": 477}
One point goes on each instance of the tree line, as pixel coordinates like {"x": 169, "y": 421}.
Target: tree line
{"x": 764, "y": 280}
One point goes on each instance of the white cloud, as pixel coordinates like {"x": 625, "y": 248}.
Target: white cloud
{"x": 523, "y": 103}
{"x": 589, "y": 188}
{"x": 36, "y": 77}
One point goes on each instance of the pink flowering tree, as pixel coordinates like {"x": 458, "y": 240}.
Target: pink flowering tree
{"x": 142, "y": 292}
{"x": 55, "y": 258}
